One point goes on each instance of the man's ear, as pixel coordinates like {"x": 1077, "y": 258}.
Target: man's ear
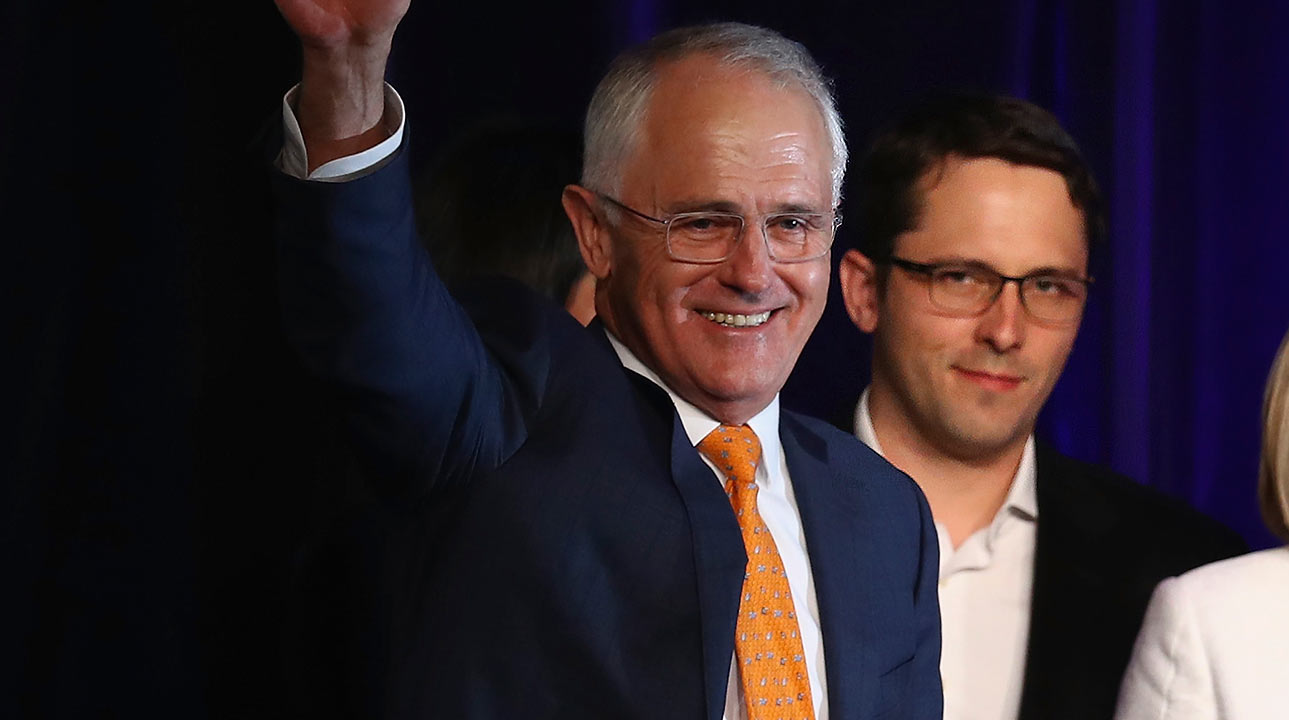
{"x": 592, "y": 234}
{"x": 860, "y": 289}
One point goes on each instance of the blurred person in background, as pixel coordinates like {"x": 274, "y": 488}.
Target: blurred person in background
{"x": 492, "y": 201}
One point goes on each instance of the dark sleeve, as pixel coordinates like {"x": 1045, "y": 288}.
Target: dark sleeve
{"x": 427, "y": 400}
{"x": 927, "y": 693}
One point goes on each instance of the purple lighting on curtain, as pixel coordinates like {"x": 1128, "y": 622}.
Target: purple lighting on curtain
{"x": 1131, "y": 226}
{"x": 642, "y": 20}
{"x": 1025, "y": 13}
{"x": 1241, "y": 156}
{"x": 1061, "y": 62}
{"x": 1211, "y": 274}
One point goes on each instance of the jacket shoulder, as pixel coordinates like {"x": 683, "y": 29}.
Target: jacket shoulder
{"x": 1117, "y": 505}
{"x": 845, "y": 454}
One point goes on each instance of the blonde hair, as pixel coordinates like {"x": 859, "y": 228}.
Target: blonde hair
{"x": 1273, "y": 473}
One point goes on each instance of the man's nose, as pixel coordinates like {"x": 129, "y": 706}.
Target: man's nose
{"x": 1002, "y": 325}
{"x": 749, "y": 267}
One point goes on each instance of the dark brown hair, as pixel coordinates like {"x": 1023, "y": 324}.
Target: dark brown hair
{"x": 966, "y": 126}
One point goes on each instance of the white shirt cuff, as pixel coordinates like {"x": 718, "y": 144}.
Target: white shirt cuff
{"x": 294, "y": 161}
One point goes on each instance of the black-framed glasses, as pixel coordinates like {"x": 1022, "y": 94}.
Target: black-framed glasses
{"x": 969, "y": 289}
{"x": 710, "y": 237}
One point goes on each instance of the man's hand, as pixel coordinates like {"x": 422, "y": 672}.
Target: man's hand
{"x": 346, "y": 45}
{"x": 337, "y": 24}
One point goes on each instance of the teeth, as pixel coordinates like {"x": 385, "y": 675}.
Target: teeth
{"x": 735, "y": 320}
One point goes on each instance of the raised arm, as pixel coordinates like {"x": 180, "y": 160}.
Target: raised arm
{"x": 431, "y": 399}
{"x": 345, "y": 45}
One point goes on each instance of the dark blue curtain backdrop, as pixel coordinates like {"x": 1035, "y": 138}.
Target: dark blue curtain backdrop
{"x": 186, "y": 534}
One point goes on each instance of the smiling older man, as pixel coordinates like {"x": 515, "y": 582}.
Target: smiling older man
{"x": 622, "y": 521}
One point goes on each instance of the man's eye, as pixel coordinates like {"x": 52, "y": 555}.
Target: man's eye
{"x": 1052, "y": 286}
{"x": 703, "y": 224}
{"x": 954, "y": 276}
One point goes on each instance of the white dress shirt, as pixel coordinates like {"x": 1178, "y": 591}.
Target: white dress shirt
{"x": 777, "y": 504}
{"x": 1214, "y": 644}
{"x": 985, "y": 589}
{"x": 776, "y": 501}
{"x": 293, "y": 160}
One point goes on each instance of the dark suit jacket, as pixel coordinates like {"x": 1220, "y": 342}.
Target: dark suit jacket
{"x": 1103, "y": 543}
{"x": 579, "y": 560}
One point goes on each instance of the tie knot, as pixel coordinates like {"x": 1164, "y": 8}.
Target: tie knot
{"x": 734, "y": 450}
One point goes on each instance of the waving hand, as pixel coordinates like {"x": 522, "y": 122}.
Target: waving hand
{"x": 337, "y": 24}
{"x": 346, "y": 44}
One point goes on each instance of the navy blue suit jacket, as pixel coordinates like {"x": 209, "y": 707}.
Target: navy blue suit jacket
{"x": 580, "y": 560}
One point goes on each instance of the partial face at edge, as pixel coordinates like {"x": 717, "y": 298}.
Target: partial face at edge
{"x": 719, "y": 139}
{"x": 971, "y": 387}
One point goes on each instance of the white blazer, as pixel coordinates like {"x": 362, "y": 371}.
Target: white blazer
{"x": 1214, "y": 645}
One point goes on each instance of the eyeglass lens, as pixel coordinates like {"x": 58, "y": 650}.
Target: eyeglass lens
{"x": 972, "y": 290}
{"x": 713, "y": 236}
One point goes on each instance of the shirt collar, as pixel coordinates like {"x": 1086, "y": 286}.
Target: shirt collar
{"x": 864, "y": 425}
{"x": 1022, "y": 497}
{"x": 697, "y": 423}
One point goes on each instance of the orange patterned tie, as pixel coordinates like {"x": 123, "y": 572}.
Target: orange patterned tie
{"x": 767, "y": 642}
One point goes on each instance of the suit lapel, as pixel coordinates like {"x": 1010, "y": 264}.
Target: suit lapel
{"x": 1070, "y": 576}
{"x": 720, "y": 560}
{"x": 832, "y": 518}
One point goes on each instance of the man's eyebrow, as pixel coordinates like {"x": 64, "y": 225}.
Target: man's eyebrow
{"x": 1057, "y": 271}
{"x": 796, "y": 209}
{"x": 702, "y": 205}
{"x": 726, "y": 206}
{"x": 955, "y": 260}
{"x": 982, "y": 265}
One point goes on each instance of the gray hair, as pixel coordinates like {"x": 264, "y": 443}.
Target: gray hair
{"x": 617, "y": 110}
